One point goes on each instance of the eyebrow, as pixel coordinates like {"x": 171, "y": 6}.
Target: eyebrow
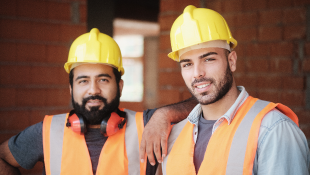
{"x": 207, "y": 54}
{"x": 100, "y": 75}
{"x": 200, "y": 57}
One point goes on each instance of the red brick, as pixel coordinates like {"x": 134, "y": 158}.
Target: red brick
{"x": 13, "y": 74}
{"x": 37, "y": 116}
{"x": 45, "y": 32}
{"x": 176, "y": 5}
{"x": 258, "y": 65}
{"x": 292, "y": 98}
{"x": 15, "y": 29}
{"x": 170, "y": 78}
{"x": 301, "y": 2}
{"x": 306, "y": 65}
{"x": 255, "y": 5}
{"x": 31, "y": 52}
{"x": 294, "y": 83}
{"x": 166, "y": 21}
{"x": 247, "y": 19}
{"x": 280, "y": 3}
{"x": 8, "y": 52}
{"x": 166, "y": 62}
{"x": 303, "y": 116}
{"x": 71, "y": 32}
{"x": 8, "y": 7}
{"x": 270, "y": 33}
{"x": 5, "y": 136}
{"x": 57, "y": 54}
{"x": 269, "y": 96}
{"x": 281, "y": 49}
{"x": 83, "y": 13}
{"x": 246, "y": 34}
{"x": 7, "y": 97}
{"x": 216, "y": 6}
{"x": 270, "y": 82}
{"x": 295, "y": 15}
{"x": 232, "y": 6}
{"x": 307, "y": 48}
{"x": 257, "y": 50}
{"x": 59, "y": 11}
{"x": 164, "y": 42}
{"x": 246, "y": 81}
{"x": 240, "y": 49}
{"x": 14, "y": 120}
{"x": 270, "y": 17}
{"x": 58, "y": 97}
{"x": 32, "y": 8}
{"x": 306, "y": 130}
{"x": 31, "y": 97}
{"x": 169, "y": 97}
{"x": 295, "y": 32}
{"x": 63, "y": 76}
{"x": 281, "y": 65}
{"x": 240, "y": 65}
{"x": 45, "y": 75}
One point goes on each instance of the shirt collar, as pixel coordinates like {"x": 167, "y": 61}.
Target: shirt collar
{"x": 193, "y": 117}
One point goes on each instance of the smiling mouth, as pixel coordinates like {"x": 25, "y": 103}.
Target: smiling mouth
{"x": 202, "y": 86}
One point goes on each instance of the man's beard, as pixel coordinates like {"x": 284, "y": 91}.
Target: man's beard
{"x": 94, "y": 116}
{"x": 222, "y": 88}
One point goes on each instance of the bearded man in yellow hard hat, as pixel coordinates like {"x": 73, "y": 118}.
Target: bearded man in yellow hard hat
{"x": 228, "y": 132}
{"x": 96, "y": 137}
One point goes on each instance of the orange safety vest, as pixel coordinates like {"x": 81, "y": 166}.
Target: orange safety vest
{"x": 66, "y": 153}
{"x": 231, "y": 149}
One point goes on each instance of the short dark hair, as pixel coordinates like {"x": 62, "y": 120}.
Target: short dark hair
{"x": 115, "y": 71}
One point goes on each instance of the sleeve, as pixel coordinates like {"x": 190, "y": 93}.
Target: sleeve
{"x": 282, "y": 147}
{"x": 27, "y": 146}
{"x": 147, "y": 115}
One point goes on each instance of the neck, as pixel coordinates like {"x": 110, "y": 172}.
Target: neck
{"x": 93, "y": 126}
{"x": 215, "y": 110}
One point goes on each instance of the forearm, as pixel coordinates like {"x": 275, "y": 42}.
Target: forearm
{"x": 7, "y": 169}
{"x": 178, "y": 111}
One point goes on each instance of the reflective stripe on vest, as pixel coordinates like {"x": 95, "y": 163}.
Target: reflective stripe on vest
{"x": 231, "y": 149}
{"x": 65, "y": 152}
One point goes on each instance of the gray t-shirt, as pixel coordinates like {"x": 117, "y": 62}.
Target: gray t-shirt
{"x": 204, "y": 134}
{"x": 27, "y": 146}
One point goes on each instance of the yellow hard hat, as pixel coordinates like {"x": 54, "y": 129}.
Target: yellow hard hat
{"x": 198, "y": 25}
{"x": 95, "y": 47}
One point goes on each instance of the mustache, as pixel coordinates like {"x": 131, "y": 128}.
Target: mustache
{"x": 202, "y": 80}
{"x": 96, "y": 97}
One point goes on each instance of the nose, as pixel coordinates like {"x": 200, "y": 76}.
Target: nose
{"x": 94, "y": 89}
{"x": 199, "y": 71}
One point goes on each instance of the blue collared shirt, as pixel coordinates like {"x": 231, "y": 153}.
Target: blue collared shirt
{"x": 282, "y": 147}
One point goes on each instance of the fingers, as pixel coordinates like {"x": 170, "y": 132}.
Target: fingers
{"x": 150, "y": 154}
{"x": 142, "y": 150}
{"x": 164, "y": 147}
{"x": 157, "y": 151}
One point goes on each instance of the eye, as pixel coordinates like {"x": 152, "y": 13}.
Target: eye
{"x": 209, "y": 59}
{"x": 103, "y": 80}
{"x": 82, "y": 81}
{"x": 186, "y": 65}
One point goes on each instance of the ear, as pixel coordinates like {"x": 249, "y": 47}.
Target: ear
{"x": 232, "y": 59}
{"x": 70, "y": 89}
{"x": 121, "y": 85}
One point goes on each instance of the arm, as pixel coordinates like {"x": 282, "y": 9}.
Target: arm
{"x": 8, "y": 165}
{"x": 282, "y": 147}
{"x": 157, "y": 130}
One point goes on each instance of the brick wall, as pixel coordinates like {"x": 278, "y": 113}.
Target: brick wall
{"x": 273, "y": 50}
{"x": 35, "y": 36}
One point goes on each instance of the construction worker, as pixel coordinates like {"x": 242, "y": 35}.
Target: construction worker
{"x": 97, "y": 137}
{"x": 228, "y": 132}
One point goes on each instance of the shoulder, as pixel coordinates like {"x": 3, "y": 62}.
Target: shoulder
{"x": 277, "y": 127}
